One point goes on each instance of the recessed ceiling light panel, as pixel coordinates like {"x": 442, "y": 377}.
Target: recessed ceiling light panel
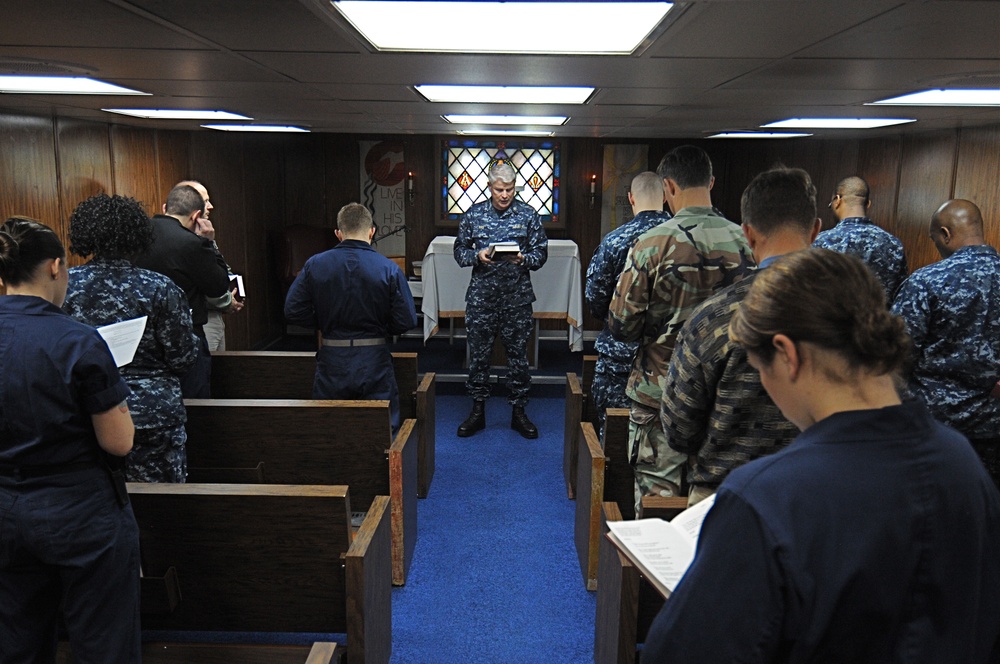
{"x": 176, "y": 114}
{"x": 265, "y": 128}
{"x": 503, "y": 132}
{"x": 605, "y": 28}
{"x": 944, "y": 98}
{"x": 758, "y": 134}
{"x": 61, "y": 85}
{"x": 505, "y": 94}
{"x": 836, "y": 123}
{"x": 545, "y": 120}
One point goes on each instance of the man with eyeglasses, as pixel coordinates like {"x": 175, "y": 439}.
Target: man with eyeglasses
{"x": 858, "y": 235}
{"x": 357, "y": 298}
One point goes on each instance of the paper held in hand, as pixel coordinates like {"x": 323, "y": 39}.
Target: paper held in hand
{"x": 123, "y": 338}
{"x": 504, "y": 249}
{"x": 662, "y": 550}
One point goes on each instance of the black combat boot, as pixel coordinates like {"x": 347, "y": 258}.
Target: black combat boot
{"x": 520, "y": 423}
{"x": 476, "y": 421}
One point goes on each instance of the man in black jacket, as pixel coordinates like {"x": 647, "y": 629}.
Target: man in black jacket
{"x": 195, "y": 265}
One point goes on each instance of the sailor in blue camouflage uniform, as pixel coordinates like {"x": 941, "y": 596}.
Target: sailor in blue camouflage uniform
{"x": 952, "y": 312}
{"x": 614, "y": 358}
{"x": 498, "y": 302}
{"x": 110, "y": 289}
{"x": 858, "y": 235}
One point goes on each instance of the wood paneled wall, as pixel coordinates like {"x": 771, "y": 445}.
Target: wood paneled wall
{"x": 260, "y": 184}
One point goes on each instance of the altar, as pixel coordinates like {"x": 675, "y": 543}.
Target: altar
{"x": 556, "y": 285}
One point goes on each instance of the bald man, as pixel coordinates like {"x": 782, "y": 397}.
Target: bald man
{"x": 614, "y": 358}
{"x": 952, "y": 311}
{"x": 856, "y": 234}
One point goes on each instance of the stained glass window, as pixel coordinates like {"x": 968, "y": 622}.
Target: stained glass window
{"x": 466, "y": 164}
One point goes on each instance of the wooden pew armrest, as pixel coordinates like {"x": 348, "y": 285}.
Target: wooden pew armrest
{"x": 403, "y": 494}
{"x": 368, "y": 564}
{"x": 426, "y": 416}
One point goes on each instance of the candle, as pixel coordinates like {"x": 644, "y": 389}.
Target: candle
{"x": 409, "y": 181}
{"x": 593, "y": 184}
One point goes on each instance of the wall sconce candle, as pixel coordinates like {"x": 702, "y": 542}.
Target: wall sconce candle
{"x": 593, "y": 190}
{"x": 410, "y": 194}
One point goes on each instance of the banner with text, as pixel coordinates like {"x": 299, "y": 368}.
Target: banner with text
{"x": 621, "y": 164}
{"x": 383, "y": 171}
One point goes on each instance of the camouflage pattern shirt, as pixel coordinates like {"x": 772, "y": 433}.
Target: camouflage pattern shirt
{"x": 670, "y": 270}
{"x": 109, "y": 291}
{"x": 501, "y": 281}
{"x": 952, "y": 312}
{"x": 602, "y": 277}
{"x": 714, "y": 406}
{"x": 879, "y": 249}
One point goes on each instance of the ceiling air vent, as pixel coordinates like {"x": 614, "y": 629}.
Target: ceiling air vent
{"x": 32, "y": 67}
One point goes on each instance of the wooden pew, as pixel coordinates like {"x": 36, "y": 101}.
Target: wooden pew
{"x": 315, "y": 442}
{"x": 155, "y": 652}
{"x": 626, "y": 602}
{"x": 579, "y": 408}
{"x": 603, "y": 475}
{"x": 289, "y": 375}
{"x": 273, "y": 558}
{"x": 571, "y": 431}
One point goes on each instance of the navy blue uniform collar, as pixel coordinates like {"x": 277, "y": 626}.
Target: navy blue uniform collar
{"x": 354, "y": 244}
{"x": 31, "y": 305}
{"x": 856, "y": 220}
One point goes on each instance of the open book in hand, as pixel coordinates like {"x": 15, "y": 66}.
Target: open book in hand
{"x": 504, "y": 249}
{"x": 662, "y": 550}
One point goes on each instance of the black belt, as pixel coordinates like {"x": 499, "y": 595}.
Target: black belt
{"x": 347, "y": 343}
{"x": 31, "y": 472}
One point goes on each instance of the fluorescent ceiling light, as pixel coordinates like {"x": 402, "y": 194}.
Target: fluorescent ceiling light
{"x": 177, "y": 114}
{"x": 507, "y": 119}
{"x": 505, "y": 94}
{"x": 605, "y": 28}
{"x": 503, "y": 132}
{"x": 270, "y": 128}
{"x": 61, "y": 85}
{"x": 837, "y": 123}
{"x": 758, "y": 134}
{"x": 944, "y": 98}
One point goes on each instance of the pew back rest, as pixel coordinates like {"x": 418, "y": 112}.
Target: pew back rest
{"x": 298, "y": 441}
{"x": 289, "y": 375}
{"x": 247, "y": 557}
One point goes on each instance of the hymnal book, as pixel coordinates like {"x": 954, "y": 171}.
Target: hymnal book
{"x": 236, "y": 281}
{"x": 505, "y": 248}
{"x": 662, "y": 550}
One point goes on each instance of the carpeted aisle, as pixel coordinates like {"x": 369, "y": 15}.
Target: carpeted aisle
{"x": 495, "y": 577}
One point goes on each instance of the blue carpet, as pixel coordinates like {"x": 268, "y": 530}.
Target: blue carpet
{"x": 495, "y": 576}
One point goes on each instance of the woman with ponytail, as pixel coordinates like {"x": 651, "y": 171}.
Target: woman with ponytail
{"x": 875, "y": 536}
{"x": 68, "y": 540}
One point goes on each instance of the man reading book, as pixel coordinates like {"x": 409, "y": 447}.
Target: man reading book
{"x": 498, "y": 302}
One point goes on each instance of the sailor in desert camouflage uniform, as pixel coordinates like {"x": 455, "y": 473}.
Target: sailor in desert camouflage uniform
{"x": 614, "y": 358}
{"x": 952, "y": 312}
{"x": 110, "y": 289}
{"x": 670, "y": 270}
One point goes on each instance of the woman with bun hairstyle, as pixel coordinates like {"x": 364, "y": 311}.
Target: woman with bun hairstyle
{"x": 873, "y": 537}
{"x": 68, "y": 538}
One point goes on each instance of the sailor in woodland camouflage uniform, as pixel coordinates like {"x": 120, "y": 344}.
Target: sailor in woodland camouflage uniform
{"x": 614, "y": 358}
{"x": 952, "y": 312}
{"x": 858, "y": 235}
{"x": 714, "y": 406}
{"x": 110, "y": 289}
{"x": 669, "y": 271}
{"x": 498, "y": 302}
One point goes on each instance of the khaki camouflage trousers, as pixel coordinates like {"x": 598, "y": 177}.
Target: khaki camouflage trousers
{"x": 659, "y": 470}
